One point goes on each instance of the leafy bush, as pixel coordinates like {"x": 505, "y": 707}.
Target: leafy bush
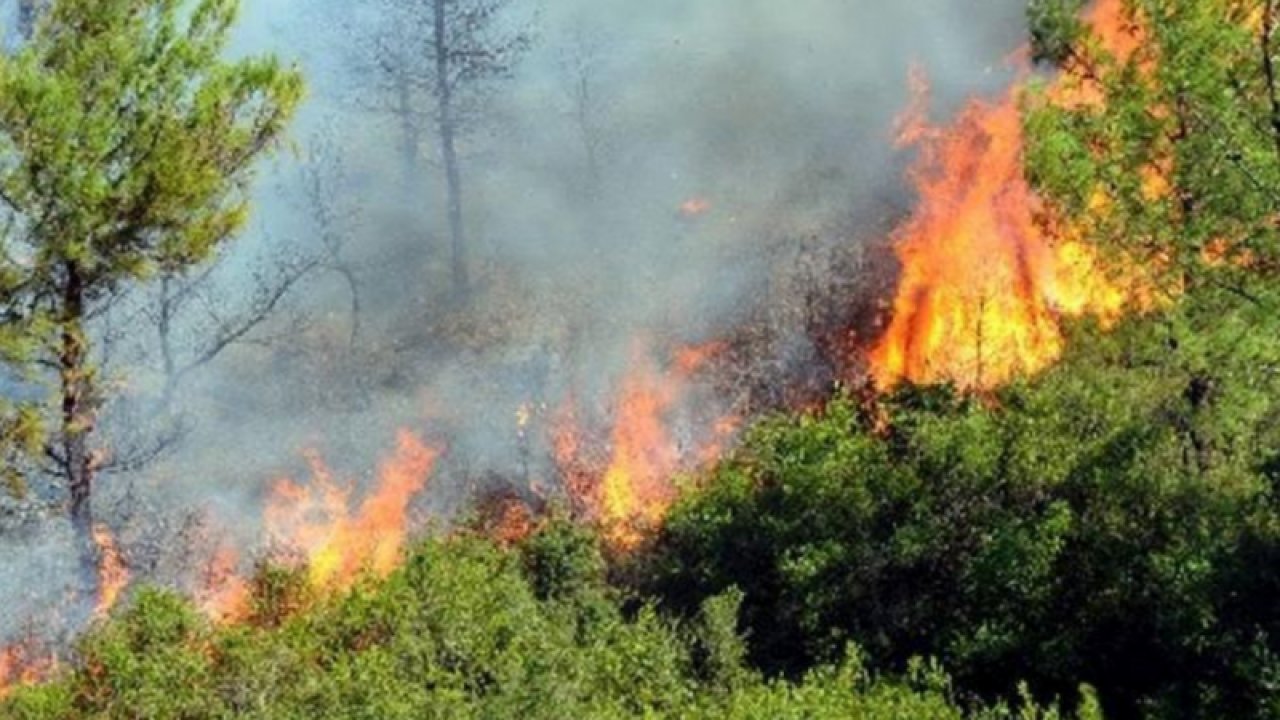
{"x": 465, "y": 629}
{"x": 1098, "y": 525}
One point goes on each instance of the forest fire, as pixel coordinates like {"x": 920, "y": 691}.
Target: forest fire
{"x": 983, "y": 290}
{"x": 983, "y": 286}
{"x": 338, "y": 542}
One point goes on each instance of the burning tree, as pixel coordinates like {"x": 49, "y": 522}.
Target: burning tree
{"x": 1173, "y": 159}
{"x": 1170, "y": 160}
{"x": 127, "y": 146}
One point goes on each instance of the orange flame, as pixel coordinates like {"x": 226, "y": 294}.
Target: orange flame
{"x": 113, "y": 574}
{"x": 983, "y": 289}
{"x": 223, "y": 594}
{"x": 22, "y": 664}
{"x": 317, "y": 519}
{"x": 10, "y": 666}
{"x": 636, "y": 488}
{"x": 630, "y": 491}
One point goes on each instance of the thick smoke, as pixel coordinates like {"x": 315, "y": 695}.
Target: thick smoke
{"x": 778, "y": 116}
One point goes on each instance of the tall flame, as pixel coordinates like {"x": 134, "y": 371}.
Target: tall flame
{"x": 339, "y": 541}
{"x": 983, "y": 289}
{"x": 636, "y": 488}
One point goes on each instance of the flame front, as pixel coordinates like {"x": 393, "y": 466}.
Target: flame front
{"x": 983, "y": 288}
{"x": 318, "y": 521}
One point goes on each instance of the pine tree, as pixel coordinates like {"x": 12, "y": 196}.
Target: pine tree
{"x": 126, "y": 146}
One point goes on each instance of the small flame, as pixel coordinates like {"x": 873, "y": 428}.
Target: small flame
{"x": 11, "y": 665}
{"x": 113, "y": 574}
{"x": 224, "y": 593}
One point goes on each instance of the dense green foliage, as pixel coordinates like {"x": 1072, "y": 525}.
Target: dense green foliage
{"x": 1059, "y": 533}
{"x": 464, "y": 629}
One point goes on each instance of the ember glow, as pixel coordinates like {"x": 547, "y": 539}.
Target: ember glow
{"x": 983, "y": 288}
{"x": 694, "y": 207}
{"x": 338, "y": 541}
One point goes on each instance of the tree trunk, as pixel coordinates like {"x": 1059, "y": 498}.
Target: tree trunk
{"x": 410, "y": 136}
{"x": 449, "y": 153}
{"x": 77, "y": 421}
{"x": 164, "y": 329}
{"x": 1269, "y": 69}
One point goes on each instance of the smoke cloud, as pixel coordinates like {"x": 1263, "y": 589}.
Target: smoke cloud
{"x": 649, "y": 178}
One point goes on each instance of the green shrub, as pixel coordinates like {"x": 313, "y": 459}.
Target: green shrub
{"x": 465, "y": 629}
